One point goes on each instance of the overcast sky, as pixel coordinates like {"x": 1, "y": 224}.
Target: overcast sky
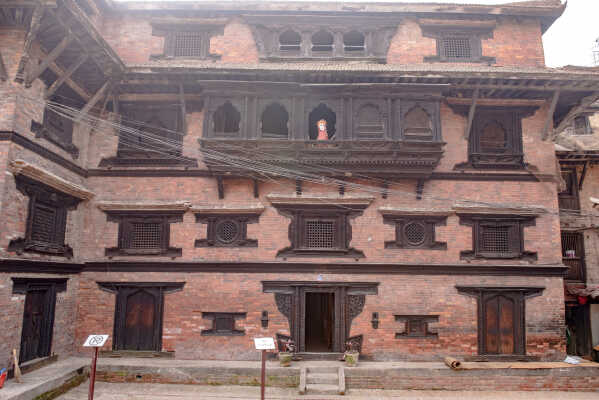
{"x": 570, "y": 39}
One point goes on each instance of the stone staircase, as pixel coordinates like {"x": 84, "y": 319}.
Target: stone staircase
{"x": 322, "y": 380}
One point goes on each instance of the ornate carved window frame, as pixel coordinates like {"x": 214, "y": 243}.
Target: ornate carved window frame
{"x": 515, "y": 235}
{"x": 125, "y": 219}
{"x": 569, "y": 198}
{"x": 237, "y": 222}
{"x": 59, "y": 203}
{"x": 519, "y": 295}
{"x": 205, "y": 29}
{"x": 212, "y": 104}
{"x": 416, "y": 326}
{"x": 377, "y": 36}
{"x": 383, "y": 109}
{"x": 262, "y": 104}
{"x": 47, "y": 131}
{"x": 230, "y": 317}
{"x": 432, "y": 108}
{"x": 340, "y": 215}
{"x": 473, "y": 32}
{"x": 403, "y": 222}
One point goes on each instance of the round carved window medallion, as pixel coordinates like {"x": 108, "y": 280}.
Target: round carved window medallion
{"x": 414, "y": 233}
{"x": 227, "y": 231}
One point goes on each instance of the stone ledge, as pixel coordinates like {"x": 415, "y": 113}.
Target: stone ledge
{"x": 143, "y": 206}
{"x": 255, "y": 208}
{"x": 319, "y": 198}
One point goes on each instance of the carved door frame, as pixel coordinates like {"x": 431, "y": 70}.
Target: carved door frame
{"x": 290, "y": 298}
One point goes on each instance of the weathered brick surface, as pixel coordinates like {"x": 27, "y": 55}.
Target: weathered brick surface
{"x": 398, "y": 294}
{"x": 11, "y": 317}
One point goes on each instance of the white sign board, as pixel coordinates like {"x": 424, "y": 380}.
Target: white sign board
{"x": 95, "y": 341}
{"x": 264, "y": 343}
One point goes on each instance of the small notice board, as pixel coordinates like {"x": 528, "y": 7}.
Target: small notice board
{"x": 95, "y": 341}
{"x": 266, "y": 343}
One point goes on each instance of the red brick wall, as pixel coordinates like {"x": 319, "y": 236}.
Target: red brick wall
{"x": 397, "y": 294}
{"x": 11, "y": 317}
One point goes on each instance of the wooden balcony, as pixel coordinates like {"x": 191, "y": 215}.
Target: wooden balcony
{"x": 380, "y": 158}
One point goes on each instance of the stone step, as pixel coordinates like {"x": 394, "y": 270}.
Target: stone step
{"x": 319, "y": 388}
{"x": 309, "y": 356}
{"x": 326, "y": 378}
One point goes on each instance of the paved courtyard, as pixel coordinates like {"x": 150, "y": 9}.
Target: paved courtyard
{"x": 150, "y": 391}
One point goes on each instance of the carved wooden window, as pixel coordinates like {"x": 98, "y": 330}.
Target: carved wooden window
{"x": 501, "y": 319}
{"x": 573, "y": 255}
{"x": 187, "y": 40}
{"x": 417, "y": 123}
{"x": 568, "y": 198}
{"x": 582, "y": 125}
{"x": 223, "y": 323}
{"x": 225, "y": 120}
{"x": 290, "y": 42}
{"x": 322, "y": 111}
{"x": 150, "y": 131}
{"x": 418, "y": 120}
{"x": 416, "y": 326}
{"x": 275, "y": 121}
{"x": 324, "y": 230}
{"x": 370, "y": 122}
{"x": 144, "y": 233}
{"x": 354, "y": 42}
{"x": 456, "y": 47}
{"x": 46, "y": 220}
{"x": 322, "y": 42}
{"x": 57, "y": 129}
{"x": 227, "y": 230}
{"x": 496, "y": 140}
{"x": 497, "y": 237}
{"x": 414, "y": 231}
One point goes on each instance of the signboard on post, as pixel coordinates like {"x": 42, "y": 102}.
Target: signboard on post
{"x": 95, "y": 341}
{"x": 263, "y": 344}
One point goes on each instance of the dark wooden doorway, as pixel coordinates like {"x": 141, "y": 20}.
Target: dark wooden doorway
{"x": 138, "y": 319}
{"x": 579, "y": 330}
{"x": 38, "y": 321}
{"x": 320, "y": 322}
{"x": 501, "y": 330}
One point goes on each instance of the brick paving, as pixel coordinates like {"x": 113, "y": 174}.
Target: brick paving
{"x": 150, "y": 391}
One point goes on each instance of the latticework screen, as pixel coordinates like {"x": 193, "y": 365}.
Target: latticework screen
{"x": 495, "y": 239}
{"x": 457, "y": 48}
{"x": 188, "y": 45}
{"x": 320, "y": 234}
{"x": 44, "y": 224}
{"x": 146, "y": 235}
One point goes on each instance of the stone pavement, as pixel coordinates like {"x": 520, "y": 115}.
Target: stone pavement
{"x": 152, "y": 391}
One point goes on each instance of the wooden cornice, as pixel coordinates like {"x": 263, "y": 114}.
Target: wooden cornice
{"x": 144, "y": 206}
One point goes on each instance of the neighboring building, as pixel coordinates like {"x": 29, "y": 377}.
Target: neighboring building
{"x": 577, "y": 150}
{"x": 188, "y": 176}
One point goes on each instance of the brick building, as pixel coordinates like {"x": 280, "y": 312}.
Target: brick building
{"x": 188, "y": 176}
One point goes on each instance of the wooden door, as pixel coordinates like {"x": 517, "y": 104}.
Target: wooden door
{"x": 500, "y": 325}
{"x": 36, "y": 333}
{"x": 140, "y": 318}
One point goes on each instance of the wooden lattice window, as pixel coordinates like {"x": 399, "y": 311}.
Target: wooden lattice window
{"x": 497, "y": 236}
{"x": 187, "y": 39}
{"x": 493, "y": 138}
{"x": 227, "y": 230}
{"x": 573, "y": 255}
{"x": 416, "y": 326}
{"x": 456, "y": 47}
{"x": 319, "y": 230}
{"x": 144, "y": 233}
{"x": 191, "y": 44}
{"x": 417, "y": 122}
{"x": 57, "y": 129}
{"x": 414, "y": 231}
{"x": 223, "y": 323}
{"x": 46, "y": 220}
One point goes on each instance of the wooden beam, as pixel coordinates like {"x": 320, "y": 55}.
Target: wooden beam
{"x": 34, "y": 28}
{"x": 92, "y": 102}
{"x": 221, "y": 187}
{"x": 183, "y": 108}
{"x": 471, "y": 113}
{"x": 66, "y": 75}
{"x": 3, "y": 73}
{"x": 549, "y": 119}
{"x": 496, "y": 101}
{"x": 50, "y": 58}
{"x": 581, "y": 107}
{"x": 582, "y": 175}
{"x": 545, "y": 88}
{"x": 157, "y": 97}
{"x": 72, "y": 84}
